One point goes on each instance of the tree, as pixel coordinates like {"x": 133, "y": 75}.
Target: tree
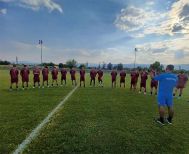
{"x": 82, "y": 65}
{"x": 71, "y": 63}
{"x": 104, "y": 65}
{"x": 109, "y": 66}
{"x": 157, "y": 66}
{"x": 48, "y": 64}
{"x": 60, "y": 65}
{"x": 120, "y": 66}
{"x": 4, "y": 62}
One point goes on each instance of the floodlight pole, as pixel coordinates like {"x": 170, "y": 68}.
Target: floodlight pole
{"x": 41, "y": 43}
{"x": 135, "y": 57}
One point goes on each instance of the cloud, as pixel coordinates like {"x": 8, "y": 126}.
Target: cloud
{"x": 167, "y": 51}
{"x": 174, "y": 21}
{"x": 36, "y": 4}
{"x": 133, "y": 19}
{"x": 3, "y": 11}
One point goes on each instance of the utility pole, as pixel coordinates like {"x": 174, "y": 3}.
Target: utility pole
{"x": 135, "y": 57}
{"x": 41, "y": 44}
{"x": 16, "y": 60}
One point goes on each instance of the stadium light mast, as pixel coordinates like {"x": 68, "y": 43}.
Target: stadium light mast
{"x": 16, "y": 60}
{"x": 135, "y": 57}
{"x": 41, "y": 44}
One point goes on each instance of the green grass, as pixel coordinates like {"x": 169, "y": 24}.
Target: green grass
{"x": 93, "y": 120}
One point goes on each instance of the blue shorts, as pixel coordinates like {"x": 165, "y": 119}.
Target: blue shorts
{"x": 165, "y": 100}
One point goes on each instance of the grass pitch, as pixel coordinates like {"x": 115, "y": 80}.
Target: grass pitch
{"x": 93, "y": 120}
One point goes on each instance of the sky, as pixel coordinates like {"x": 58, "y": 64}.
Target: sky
{"x": 95, "y": 31}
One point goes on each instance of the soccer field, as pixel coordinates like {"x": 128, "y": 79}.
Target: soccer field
{"x": 93, "y": 120}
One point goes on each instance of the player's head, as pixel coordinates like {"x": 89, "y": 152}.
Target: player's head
{"x": 14, "y": 65}
{"x": 169, "y": 68}
{"x": 25, "y": 65}
{"x": 46, "y": 66}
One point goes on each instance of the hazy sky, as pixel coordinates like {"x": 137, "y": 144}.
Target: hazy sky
{"x": 95, "y": 30}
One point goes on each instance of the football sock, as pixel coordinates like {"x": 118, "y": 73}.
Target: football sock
{"x": 161, "y": 119}
{"x": 170, "y": 119}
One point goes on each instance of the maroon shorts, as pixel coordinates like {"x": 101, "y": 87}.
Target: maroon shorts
{"x": 45, "y": 78}
{"x": 54, "y": 77}
{"x": 63, "y": 78}
{"x": 73, "y": 78}
{"x": 36, "y": 79}
{"x": 14, "y": 80}
{"x": 113, "y": 79}
{"x": 82, "y": 78}
{"x": 122, "y": 80}
{"x": 154, "y": 84}
{"x": 133, "y": 82}
{"x": 99, "y": 79}
{"x": 179, "y": 86}
{"x": 143, "y": 84}
{"x": 25, "y": 79}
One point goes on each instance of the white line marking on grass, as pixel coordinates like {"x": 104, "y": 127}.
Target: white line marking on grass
{"x": 35, "y": 132}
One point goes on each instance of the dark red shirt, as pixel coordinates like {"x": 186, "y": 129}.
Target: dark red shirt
{"x": 134, "y": 76}
{"x": 114, "y": 75}
{"x": 45, "y": 72}
{"x": 93, "y": 74}
{"x": 63, "y": 73}
{"x": 144, "y": 77}
{"x": 122, "y": 74}
{"x": 72, "y": 73}
{"x": 100, "y": 73}
{"x": 14, "y": 73}
{"x": 54, "y": 73}
{"x": 182, "y": 79}
{"x": 36, "y": 72}
{"x": 25, "y": 73}
{"x": 82, "y": 73}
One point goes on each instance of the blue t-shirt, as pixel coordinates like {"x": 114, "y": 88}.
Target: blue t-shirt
{"x": 167, "y": 82}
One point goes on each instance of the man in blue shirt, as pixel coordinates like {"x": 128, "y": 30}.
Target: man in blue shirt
{"x": 167, "y": 82}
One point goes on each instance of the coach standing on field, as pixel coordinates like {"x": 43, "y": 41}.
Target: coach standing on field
{"x": 167, "y": 82}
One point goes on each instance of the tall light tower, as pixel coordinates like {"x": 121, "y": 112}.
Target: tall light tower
{"x": 41, "y": 44}
{"x": 135, "y": 57}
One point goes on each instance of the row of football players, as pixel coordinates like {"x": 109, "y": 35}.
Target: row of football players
{"x": 14, "y": 72}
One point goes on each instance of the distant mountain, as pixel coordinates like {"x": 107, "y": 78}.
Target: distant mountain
{"x": 177, "y": 67}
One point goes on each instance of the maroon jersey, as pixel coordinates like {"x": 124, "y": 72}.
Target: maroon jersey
{"x": 154, "y": 83}
{"x": 25, "y": 74}
{"x": 36, "y": 73}
{"x": 100, "y": 74}
{"x": 122, "y": 76}
{"x": 14, "y": 75}
{"x": 54, "y": 73}
{"x": 182, "y": 79}
{"x": 144, "y": 77}
{"x": 72, "y": 73}
{"x": 114, "y": 75}
{"x": 82, "y": 75}
{"x": 63, "y": 74}
{"x": 134, "y": 77}
{"x": 93, "y": 74}
{"x": 45, "y": 73}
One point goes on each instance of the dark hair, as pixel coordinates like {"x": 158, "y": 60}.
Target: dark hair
{"x": 14, "y": 65}
{"x": 170, "y": 67}
{"x": 182, "y": 71}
